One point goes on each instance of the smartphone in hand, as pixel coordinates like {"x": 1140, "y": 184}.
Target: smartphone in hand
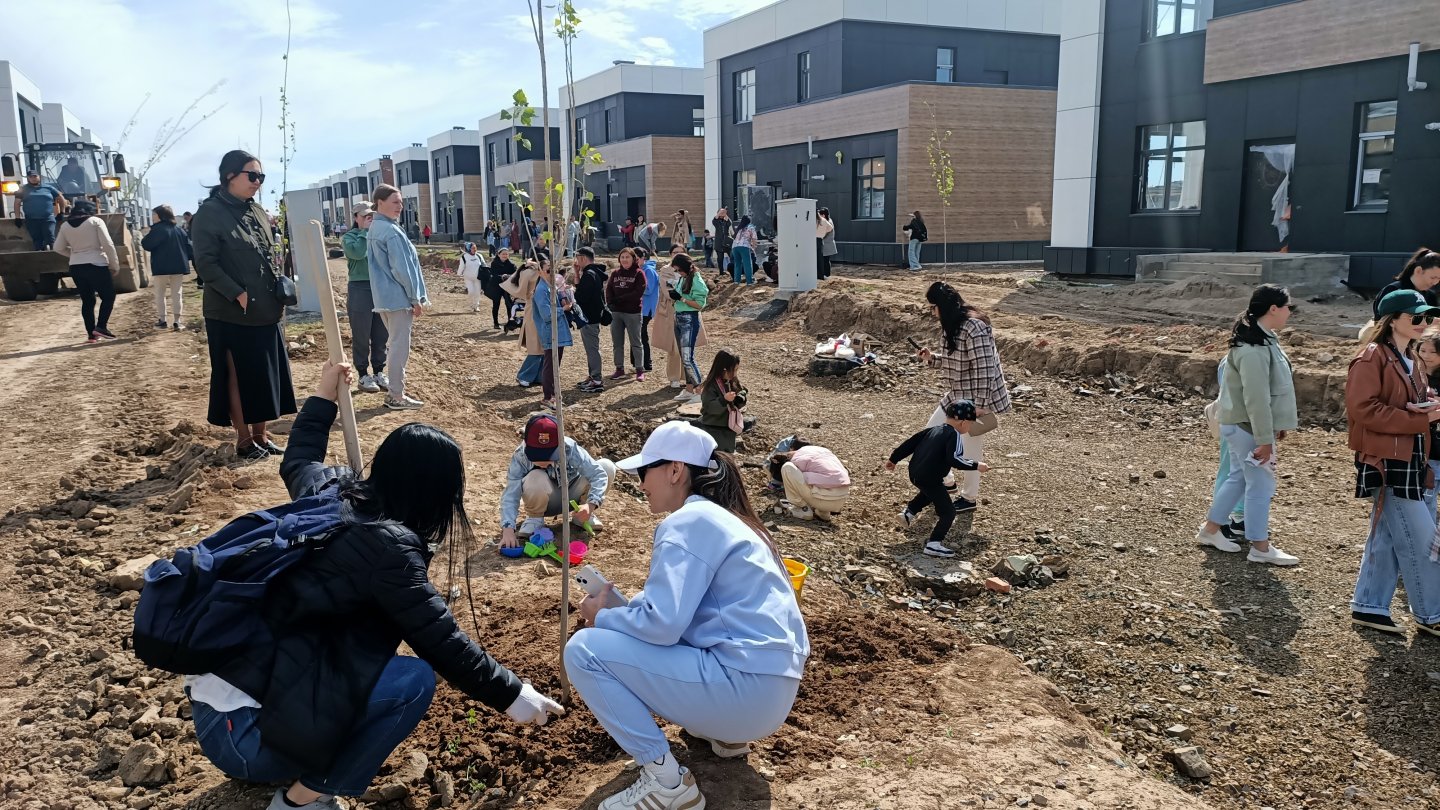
{"x": 674, "y": 296}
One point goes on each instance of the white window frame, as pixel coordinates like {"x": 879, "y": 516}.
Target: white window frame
{"x": 744, "y": 95}
{"x": 1202, "y": 10}
{"x": 1362, "y": 140}
{"x": 949, "y": 69}
{"x": 697, "y": 122}
{"x": 802, "y": 69}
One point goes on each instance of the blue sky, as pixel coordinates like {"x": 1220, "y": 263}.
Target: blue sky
{"x": 366, "y": 77}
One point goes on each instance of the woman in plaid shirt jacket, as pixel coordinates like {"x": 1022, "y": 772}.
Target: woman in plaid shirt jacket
{"x": 970, "y": 368}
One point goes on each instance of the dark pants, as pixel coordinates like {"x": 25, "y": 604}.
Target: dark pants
{"x": 934, "y": 495}
{"x": 498, "y": 297}
{"x": 42, "y": 232}
{"x": 398, "y": 702}
{"x": 710, "y": 256}
{"x": 553, "y": 358}
{"x": 645, "y": 339}
{"x": 94, "y": 280}
{"x": 822, "y": 262}
{"x": 368, "y": 336}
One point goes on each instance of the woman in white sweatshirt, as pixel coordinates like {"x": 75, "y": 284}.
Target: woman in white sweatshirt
{"x": 714, "y": 642}
{"x": 93, "y": 265}
{"x": 472, "y": 270}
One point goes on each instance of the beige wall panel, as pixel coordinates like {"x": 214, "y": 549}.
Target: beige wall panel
{"x": 856, "y": 114}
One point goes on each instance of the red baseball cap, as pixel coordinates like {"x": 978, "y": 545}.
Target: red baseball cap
{"x": 542, "y": 437}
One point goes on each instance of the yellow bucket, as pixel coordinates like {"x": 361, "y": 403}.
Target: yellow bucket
{"x": 798, "y": 571}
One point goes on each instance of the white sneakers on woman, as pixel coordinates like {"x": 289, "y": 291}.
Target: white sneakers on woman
{"x": 1272, "y": 556}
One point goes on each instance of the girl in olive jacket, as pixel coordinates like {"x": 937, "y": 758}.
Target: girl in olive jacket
{"x": 722, "y": 400}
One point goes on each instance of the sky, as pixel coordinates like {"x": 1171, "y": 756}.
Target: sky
{"x": 365, "y": 78}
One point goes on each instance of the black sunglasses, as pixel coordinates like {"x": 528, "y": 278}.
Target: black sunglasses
{"x": 1293, "y": 307}
{"x": 255, "y": 177}
{"x": 648, "y": 467}
{"x": 1427, "y": 319}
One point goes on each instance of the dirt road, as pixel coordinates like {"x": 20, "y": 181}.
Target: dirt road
{"x": 909, "y": 701}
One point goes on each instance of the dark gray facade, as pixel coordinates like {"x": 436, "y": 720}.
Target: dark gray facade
{"x": 634, "y": 115}
{"x": 501, "y": 149}
{"x": 1152, "y": 81}
{"x": 412, "y": 171}
{"x": 851, "y": 56}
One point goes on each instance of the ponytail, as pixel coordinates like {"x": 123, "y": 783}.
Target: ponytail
{"x": 1247, "y": 330}
{"x": 1422, "y": 259}
{"x": 721, "y": 484}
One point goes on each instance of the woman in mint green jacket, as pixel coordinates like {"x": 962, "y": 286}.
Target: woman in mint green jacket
{"x": 1257, "y": 408}
{"x": 690, "y": 296}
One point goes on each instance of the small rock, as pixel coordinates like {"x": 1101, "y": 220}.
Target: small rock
{"x": 1134, "y": 478}
{"x": 181, "y": 500}
{"x": 1119, "y": 546}
{"x": 1159, "y": 473}
{"x": 543, "y": 569}
{"x": 997, "y": 585}
{"x": 79, "y": 509}
{"x": 143, "y": 764}
{"x": 1191, "y": 762}
{"x": 1039, "y": 800}
{"x": 87, "y": 524}
{"x": 244, "y": 482}
{"x": 130, "y": 575}
{"x": 1144, "y": 725}
{"x": 444, "y": 789}
{"x": 1182, "y": 732}
{"x": 412, "y": 770}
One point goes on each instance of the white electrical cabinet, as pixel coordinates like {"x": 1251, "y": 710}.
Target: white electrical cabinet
{"x": 301, "y": 206}
{"x": 795, "y": 238}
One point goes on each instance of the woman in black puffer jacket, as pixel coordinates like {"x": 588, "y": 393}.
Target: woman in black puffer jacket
{"x": 330, "y": 699}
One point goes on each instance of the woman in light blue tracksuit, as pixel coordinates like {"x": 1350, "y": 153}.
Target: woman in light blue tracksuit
{"x": 714, "y": 642}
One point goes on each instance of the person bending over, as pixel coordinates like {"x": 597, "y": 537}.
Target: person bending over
{"x": 534, "y": 479}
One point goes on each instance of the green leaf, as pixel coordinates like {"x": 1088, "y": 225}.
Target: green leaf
{"x": 505, "y": 115}
{"x": 520, "y": 99}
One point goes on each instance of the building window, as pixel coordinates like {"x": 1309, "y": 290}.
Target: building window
{"x": 1172, "y": 164}
{"x": 742, "y": 179}
{"x": 744, "y": 95}
{"x": 494, "y": 207}
{"x": 944, "y": 64}
{"x": 508, "y": 158}
{"x": 490, "y": 156}
{"x": 697, "y": 122}
{"x": 582, "y": 136}
{"x": 803, "y": 72}
{"x": 1375, "y": 155}
{"x": 609, "y": 132}
{"x": 1169, "y": 17}
{"x": 870, "y": 188}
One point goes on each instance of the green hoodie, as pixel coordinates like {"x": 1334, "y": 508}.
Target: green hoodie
{"x": 356, "y": 243}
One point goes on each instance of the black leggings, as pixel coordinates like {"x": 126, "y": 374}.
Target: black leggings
{"x": 495, "y": 301}
{"x": 935, "y": 495}
{"x": 645, "y": 339}
{"x": 94, "y": 280}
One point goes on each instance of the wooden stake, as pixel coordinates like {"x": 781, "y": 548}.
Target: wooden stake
{"x": 313, "y": 260}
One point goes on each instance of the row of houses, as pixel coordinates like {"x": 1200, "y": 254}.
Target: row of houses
{"x": 28, "y": 118}
{"x": 1085, "y": 133}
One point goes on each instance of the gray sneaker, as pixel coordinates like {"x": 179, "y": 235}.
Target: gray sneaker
{"x": 404, "y": 403}
{"x": 381, "y": 380}
{"x": 368, "y": 385}
{"x": 277, "y": 802}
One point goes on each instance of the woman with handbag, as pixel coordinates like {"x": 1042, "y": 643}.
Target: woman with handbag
{"x": 93, "y": 265}
{"x": 970, "y": 368}
{"x": 528, "y": 277}
{"x": 722, "y": 400}
{"x": 249, "y": 369}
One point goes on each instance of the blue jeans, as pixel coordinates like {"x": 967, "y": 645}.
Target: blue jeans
{"x": 399, "y": 701}
{"x": 914, "y": 254}
{"x": 687, "y": 331}
{"x": 529, "y": 372}
{"x": 1399, "y": 548}
{"x": 1238, "y": 513}
{"x": 625, "y": 681}
{"x": 42, "y": 232}
{"x": 742, "y": 262}
{"x": 1255, "y": 484}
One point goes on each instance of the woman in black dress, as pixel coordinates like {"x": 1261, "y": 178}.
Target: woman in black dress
{"x": 249, "y": 370}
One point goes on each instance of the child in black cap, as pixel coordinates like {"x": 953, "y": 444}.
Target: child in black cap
{"x": 933, "y": 452}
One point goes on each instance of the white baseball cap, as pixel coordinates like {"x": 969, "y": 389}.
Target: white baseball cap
{"x": 673, "y": 441}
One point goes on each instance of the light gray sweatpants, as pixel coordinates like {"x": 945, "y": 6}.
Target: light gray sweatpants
{"x": 627, "y": 323}
{"x": 398, "y": 323}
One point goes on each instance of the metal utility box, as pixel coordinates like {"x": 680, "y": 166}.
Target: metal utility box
{"x": 795, "y": 237}
{"x": 300, "y": 207}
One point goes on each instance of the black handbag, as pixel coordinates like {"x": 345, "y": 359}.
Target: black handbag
{"x": 285, "y": 291}
{"x": 606, "y": 317}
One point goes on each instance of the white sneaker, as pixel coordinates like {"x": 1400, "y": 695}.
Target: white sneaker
{"x": 938, "y": 550}
{"x": 530, "y": 526}
{"x": 648, "y": 794}
{"x": 1274, "y": 556}
{"x": 368, "y": 385}
{"x": 676, "y": 384}
{"x": 381, "y": 380}
{"x": 404, "y": 403}
{"x": 723, "y": 750}
{"x": 801, "y": 512}
{"x": 682, "y": 396}
{"x": 907, "y": 518}
{"x": 1215, "y": 540}
{"x": 692, "y": 399}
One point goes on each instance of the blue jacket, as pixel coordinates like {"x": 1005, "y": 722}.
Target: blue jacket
{"x": 715, "y": 585}
{"x": 542, "y": 313}
{"x": 578, "y": 463}
{"x": 652, "y": 290}
{"x": 395, "y": 279}
{"x": 170, "y": 251}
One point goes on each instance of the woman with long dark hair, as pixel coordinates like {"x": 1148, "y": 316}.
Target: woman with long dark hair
{"x": 722, "y": 400}
{"x": 689, "y": 295}
{"x": 85, "y": 241}
{"x": 1257, "y": 409}
{"x": 918, "y": 235}
{"x": 970, "y": 368}
{"x": 1421, "y": 273}
{"x": 170, "y": 258}
{"x": 742, "y": 252}
{"x": 714, "y": 642}
{"x": 1392, "y": 418}
{"x": 327, "y": 700}
{"x": 233, "y": 240}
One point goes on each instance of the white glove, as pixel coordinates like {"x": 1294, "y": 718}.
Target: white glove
{"x": 533, "y": 707}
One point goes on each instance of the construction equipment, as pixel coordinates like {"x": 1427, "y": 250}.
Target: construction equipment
{"x": 78, "y": 170}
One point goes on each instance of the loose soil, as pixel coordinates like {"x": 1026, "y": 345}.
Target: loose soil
{"x": 1058, "y": 696}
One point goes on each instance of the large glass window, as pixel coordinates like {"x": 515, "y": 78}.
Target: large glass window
{"x": 870, "y": 188}
{"x": 802, "y": 70}
{"x": 1178, "y": 16}
{"x": 1172, "y": 165}
{"x": 944, "y": 64}
{"x": 1375, "y": 155}
{"x": 697, "y": 122}
{"x": 744, "y": 95}
{"x": 609, "y": 119}
{"x": 742, "y": 179}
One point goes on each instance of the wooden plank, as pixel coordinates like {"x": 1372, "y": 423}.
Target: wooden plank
{"x": 1316, "y": 33}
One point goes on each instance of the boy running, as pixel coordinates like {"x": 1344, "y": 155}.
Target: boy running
{"x": 933, "y": 452}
